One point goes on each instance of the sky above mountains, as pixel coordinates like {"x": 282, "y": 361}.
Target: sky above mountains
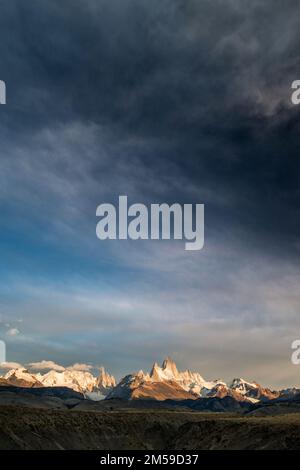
{"x": 163, "y": 101}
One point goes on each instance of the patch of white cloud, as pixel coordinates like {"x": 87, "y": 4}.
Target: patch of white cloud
{"x": 13, "y": 332}
{"x": 11, "y": 365}
{"x": 46, "y": 365}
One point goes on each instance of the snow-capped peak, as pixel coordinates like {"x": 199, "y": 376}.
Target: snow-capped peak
{"x": 105, "y": 380}
{"x": 188, "y": 380}
{"x": 170, "y": 369}
{"x": 78, "y": 380}
{"x": 242, "y": 386}
{"x": 20, "y": 374}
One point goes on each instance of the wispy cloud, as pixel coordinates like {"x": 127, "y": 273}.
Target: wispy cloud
{"x": 10, "y": 365}
{"x": 46, "y": 365}
{"x": 81, "y": 367}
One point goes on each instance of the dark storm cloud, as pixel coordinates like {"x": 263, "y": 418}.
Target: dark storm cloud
{"x": 204, "y": 85}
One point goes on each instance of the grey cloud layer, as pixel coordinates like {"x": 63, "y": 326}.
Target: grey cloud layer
{"x": 202, "y": 86}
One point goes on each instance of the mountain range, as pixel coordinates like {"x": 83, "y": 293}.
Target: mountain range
{"x": 163, "y": 382}
{"x": 95, "y": 388}
{"x": 166, "y": 382}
